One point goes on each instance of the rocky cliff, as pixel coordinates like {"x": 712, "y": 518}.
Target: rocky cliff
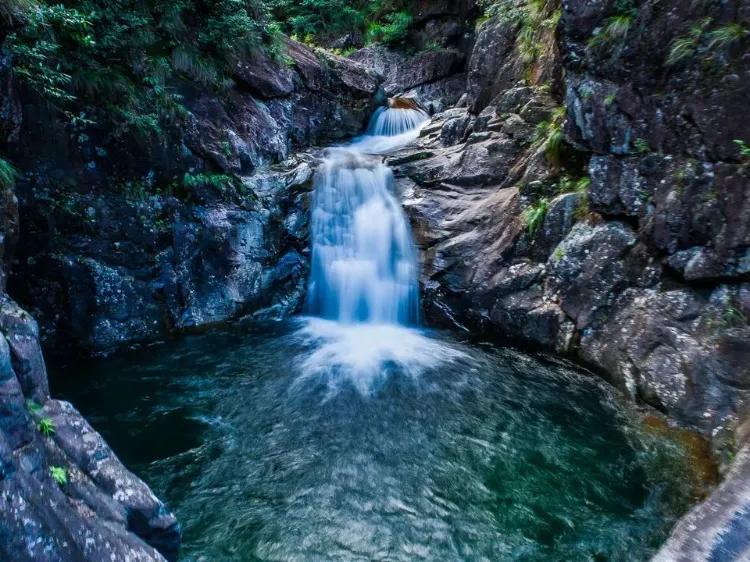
{"x": 126, "y": 243}
{"x": 589, "y": 195}
{"x": 592, "y": 201}
{"x": 582, "y": 187}
{"x": 64, "y": 494}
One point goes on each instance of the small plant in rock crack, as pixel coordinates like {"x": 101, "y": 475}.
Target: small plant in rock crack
{"x": 559, "y": 253}
{"x": 571, "y": 185}
{"x": 641, "y": 146}
{"x": 46, "y": 427}
{"x": 59, "y": 474}
{"x": 533, "y": 217}
{"x": 613, "y": 33}
{"x": 33, "y": 407}
{"x": 684, "y": 48}
{"x": 7, "y": 174}
{"x": 726, "y": 36}
{"x": 744, "y": 149}
{"x": 733, "y": 316}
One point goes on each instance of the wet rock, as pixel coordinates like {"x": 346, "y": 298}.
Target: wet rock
{"x": 492, "y": 69}
{"x": 716, "y": 529}
{"x": 101, "y": 511}
{"x": 587, "y": 271}
{"x": 264, "y": 77}
{"x": 432, "y": 77}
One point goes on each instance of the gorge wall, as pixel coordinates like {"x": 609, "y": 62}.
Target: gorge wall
{"x": 591, "y": 199}
{"x": 589, "y": 195}
{"x": 579, "y": 189}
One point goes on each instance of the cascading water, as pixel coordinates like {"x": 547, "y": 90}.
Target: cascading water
{"x": 364, "y": 265}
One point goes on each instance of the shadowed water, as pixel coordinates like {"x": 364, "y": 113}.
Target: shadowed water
{"x": 302, "y": 441}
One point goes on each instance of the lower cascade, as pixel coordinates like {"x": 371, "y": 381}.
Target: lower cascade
{"x": 364, "y": 265}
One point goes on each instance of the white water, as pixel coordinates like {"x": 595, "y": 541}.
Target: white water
{"x": 364, "y": 264}
{"x": 363, "y": 283}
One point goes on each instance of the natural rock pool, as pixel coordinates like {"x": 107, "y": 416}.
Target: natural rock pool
{"x": 305, "y": 441}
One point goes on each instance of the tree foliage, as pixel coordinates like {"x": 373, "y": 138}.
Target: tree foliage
{"x": 321, "y": 21}
{"x": 124, "y": 56}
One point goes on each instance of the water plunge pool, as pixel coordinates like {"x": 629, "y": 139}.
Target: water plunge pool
{"x": 304, "y": 440}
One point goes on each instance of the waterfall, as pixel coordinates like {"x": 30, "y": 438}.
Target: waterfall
{"x": 364, "y": 264}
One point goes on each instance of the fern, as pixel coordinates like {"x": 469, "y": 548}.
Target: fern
{"x": 726, "y": 36}
{"x": 533, "y": 217}
{"x": 7, "y": 174}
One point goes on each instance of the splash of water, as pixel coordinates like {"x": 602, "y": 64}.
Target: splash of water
{"x": 364, "y": 354}
{"x": 364, "y": 265}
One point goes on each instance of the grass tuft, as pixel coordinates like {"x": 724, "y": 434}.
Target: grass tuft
{"x": 59, "y": 474}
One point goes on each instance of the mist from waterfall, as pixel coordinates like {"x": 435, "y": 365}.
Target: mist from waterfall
{"x": 364, "y": 264}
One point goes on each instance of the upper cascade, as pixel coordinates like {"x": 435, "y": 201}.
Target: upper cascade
{"x": 364, "y": 264}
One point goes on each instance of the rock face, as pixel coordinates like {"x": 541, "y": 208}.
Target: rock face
{"x": 593, "y": 201}
{"x": 637, "y": 259}
{"x": 718, "y": 528}
{"x": 95, "y": 509}
{"x": 436, "y": 74}
{"x": 118, "y": 248}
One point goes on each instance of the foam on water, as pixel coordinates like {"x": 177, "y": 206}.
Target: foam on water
{"x": 363, "y": 354}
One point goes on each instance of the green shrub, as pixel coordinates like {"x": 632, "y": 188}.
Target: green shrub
{"x": 124, "y": 57}
{"x": 392, "y": 30}
{"x": 320, "y": 21}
